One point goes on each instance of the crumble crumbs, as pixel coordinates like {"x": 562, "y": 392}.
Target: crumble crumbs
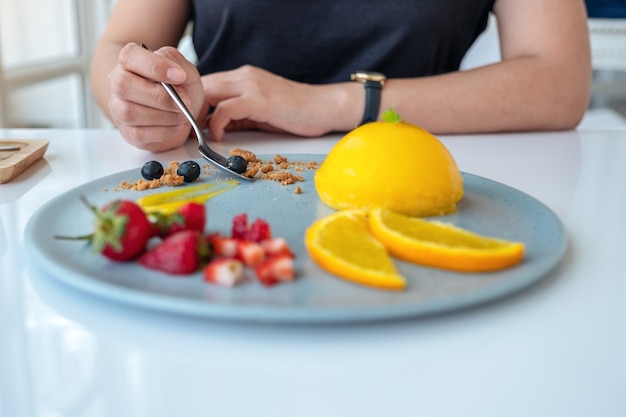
{"x": 249, "y": 156}
{"x": 169, "y": 177}
{"x": 278, "y": 169}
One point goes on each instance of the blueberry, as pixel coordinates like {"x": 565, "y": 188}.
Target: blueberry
{"x": 238, "y": 164}
{"x": 190, "y": 170}
{"x": 152, "y": 170}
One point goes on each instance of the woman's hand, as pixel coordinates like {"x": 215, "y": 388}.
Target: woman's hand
{"x": 140, "y": 107}
{"x": 252, "y": 98}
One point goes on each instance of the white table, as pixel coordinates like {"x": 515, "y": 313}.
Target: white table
{"x": 555, "y": 349}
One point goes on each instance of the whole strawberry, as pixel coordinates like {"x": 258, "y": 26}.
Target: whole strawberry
{"x": 181, "y": 253}
{"x": 121, "y": 230}
{"x": 190, "y": 216}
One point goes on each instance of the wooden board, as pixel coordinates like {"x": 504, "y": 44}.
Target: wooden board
{"x": 14, "y": 161}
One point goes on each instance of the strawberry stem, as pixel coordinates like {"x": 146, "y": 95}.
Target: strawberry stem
{"x": 83, "y": 237}
{"x": 109, "y": 226}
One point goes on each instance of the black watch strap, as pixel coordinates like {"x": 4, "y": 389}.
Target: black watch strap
{"x": 372, "y": 101}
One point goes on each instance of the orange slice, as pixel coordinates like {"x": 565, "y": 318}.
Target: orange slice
{"x": 442, "y": 245}
{"x": 342, "y": 244}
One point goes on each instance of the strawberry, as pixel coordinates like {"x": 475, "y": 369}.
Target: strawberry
{"x": 256, "y": 232}
{"x": 250, "y": 253}
{"x": 155, "y": 226}
{"x": 190, "y": 216}
{"x": 178, "y": 254}
{"x": 121, "y": 230}
{"x": 259, "y": 230}
{"x": 224, "y": 271}
{"x": 274, "y": 270}
{"x": 276, "y": 246}
{"x": 223, "y": 246}
{"x": 240, "y": 226}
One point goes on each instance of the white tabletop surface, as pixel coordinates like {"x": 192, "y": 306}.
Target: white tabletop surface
{"x": 557, "y": 348}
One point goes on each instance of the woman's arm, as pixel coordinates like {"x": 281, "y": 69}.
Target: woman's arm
{"x": 542, "y": 83}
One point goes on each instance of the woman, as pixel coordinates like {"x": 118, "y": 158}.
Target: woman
{"x": 281, "y": 65}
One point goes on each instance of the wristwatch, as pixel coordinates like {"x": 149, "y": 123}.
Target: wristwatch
{"x": 373, "y": 83}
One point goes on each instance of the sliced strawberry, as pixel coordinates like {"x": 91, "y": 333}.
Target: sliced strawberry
{"x": 276, "y": 246}
{"x": 259, "y": 230}
{"x": 240, "y": 226}
{"x": 250, "y": 253}
{"x": 225, "y": 247}
{"x": 275, "y": 269}
{"x": 225, "y": 272}
{"x": 178, "y": 254}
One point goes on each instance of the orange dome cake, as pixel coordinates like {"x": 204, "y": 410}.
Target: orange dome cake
{"x": 393, "y": 165}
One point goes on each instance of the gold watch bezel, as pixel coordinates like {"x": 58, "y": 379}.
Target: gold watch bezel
{"x": 363, "y": 76}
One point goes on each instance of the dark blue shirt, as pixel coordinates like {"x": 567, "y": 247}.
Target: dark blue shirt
{"x": 606, "y": 8}
{"x": 322, "y": 41}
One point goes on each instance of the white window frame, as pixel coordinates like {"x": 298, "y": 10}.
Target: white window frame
{"x": 91, "y": 16}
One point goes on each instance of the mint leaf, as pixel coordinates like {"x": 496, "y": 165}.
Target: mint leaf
{"x": 390, "y": 116}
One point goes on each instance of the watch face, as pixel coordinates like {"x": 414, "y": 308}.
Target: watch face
{"x": 362, "y": 76}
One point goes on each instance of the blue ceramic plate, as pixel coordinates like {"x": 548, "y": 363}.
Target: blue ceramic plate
{"x": 488, "y": 207}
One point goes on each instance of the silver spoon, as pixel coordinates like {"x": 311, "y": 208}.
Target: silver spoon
{"x": 228, "y": 165}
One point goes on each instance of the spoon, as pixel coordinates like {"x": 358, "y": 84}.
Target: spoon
{"x": 234, "y": 165}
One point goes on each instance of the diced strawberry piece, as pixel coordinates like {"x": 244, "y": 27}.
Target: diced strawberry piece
{"x": 276, "y": 246}
{"x": 250, "y": 253}
{"x": 282, "y": 267}
{"x": 259, "y": 230}
{"x": 178, "y": 254}
{"x": 275, "y": 269}
{"x": 265, "y": 275}
{"x": 225, "y": 272}
{"x": 225, "y": 247}
{"x": 240, "y": 226}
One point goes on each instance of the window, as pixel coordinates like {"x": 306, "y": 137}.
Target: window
{"x": 45, "y": 47}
